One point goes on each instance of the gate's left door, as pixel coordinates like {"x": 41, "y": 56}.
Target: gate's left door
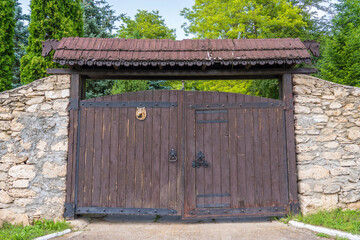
{"x": 124, "y": 164}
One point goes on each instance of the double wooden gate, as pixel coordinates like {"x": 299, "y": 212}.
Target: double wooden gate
{"x": 196, "y": 154}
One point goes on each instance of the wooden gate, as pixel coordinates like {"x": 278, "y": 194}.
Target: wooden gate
{"x": 235, "y": 163}
{"x": 196, "y": 154}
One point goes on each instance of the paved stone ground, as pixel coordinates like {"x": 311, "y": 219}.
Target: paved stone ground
{"x": 134, "y": 228}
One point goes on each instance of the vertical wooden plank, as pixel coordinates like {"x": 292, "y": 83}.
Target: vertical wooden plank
{"x": 274, "y": 157}
{"x": 90, "y": 118}
{"x": 290, "y": 137}
{"x": 241, "y": 153}
{"x": 181, "y": 153}
{"x": 81, "y": 179}
{"x": 199, "y": 146}
{"x": 173, "y": 143}
{"x": 71, "y": 159}
{"x": 139, "y": 155}
{"x": 233, "y": 153}
{"x": 282, "y": 151}
{"x": 265, "y": 156}
{"x": 148, "y": 152}
{"x": 216, "y": 163}
{"x": 189, "y": 180}
{"x": 114, "y": 156}
{"x": 257, "y": 158}
{"x": 122, "y": 150}
{"x": 164, "y": 162}
{"x": 224, "y": 152}
{"x": 96, "y": 181}
{"x": 156, "y": 142}
{"x": 105, "y": 156}
{"x": 208, "y": 146}
{"x": 249, "y": 162}
{"x": 130, "y": 161}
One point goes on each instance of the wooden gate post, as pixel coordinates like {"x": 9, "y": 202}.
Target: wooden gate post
{"x": 76, "y": 94}
{"x": 287, "y": 95}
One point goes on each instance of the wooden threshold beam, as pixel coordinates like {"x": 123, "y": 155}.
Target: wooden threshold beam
{"x": 181, "y": 74}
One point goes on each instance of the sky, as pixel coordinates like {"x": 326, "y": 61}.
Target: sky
{"x": 168, "y": 9}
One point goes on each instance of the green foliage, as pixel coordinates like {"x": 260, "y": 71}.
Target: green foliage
{"x": 146, "y": 25}
{"x": 341, "y": 52}
{"x": 234, "y": 86}
{"x": 38, "y": 229}
{"x": 21, "y": 41}
{"x": 265, "y": 88}
{"x": 51, "y": 19}
{"x": 98, "y": 88}
{"x": 99, "y": 19}
{"x": 323, "y": 235}
{"x": 7, "y": 57}
{"x": 344, "y": 220}
{"x": 122, "y": 86}
{"x": 237, "y": 19}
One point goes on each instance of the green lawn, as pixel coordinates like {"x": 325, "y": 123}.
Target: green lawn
{"x": 344, "y": 220}
{"x": 38, "y": 229}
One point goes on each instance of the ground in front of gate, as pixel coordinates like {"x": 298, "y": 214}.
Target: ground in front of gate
{"x": 112, "y": 228}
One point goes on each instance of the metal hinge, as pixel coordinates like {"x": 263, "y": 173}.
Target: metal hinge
{"x": 73, "y": 104}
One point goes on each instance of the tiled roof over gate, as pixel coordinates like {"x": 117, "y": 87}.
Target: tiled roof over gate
{"x": 153, "y": 52}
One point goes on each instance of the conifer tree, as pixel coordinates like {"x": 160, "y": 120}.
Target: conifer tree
{"x": 51, "y": 19}
{"x": 7, "y": 57}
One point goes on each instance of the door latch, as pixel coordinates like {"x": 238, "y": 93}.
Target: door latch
{"x": 200, "y": 161}
{"x": 172, "y": 155}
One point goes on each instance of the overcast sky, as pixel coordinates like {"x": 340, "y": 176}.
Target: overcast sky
{"x": 168, "y": 9}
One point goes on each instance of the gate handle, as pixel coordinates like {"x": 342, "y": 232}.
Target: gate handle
{"x": 173, "y": 155}
{"x": 200, "y": 161}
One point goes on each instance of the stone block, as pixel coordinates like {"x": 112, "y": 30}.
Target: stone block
{"x": 6, "y": 116}
{"x": 335, "y": 105}
{"x": 335, "y": 113}
{"x": 23, "y": 172}
{"x": 21, "y": 193}
{"x": 4, "y": 167}
{"x": 326, "y": 138}
{"x": 313, "y": 172}
{"x": 23, "y": 202}
{"x": 35, "y": 100}
{"x": 331, "y": 155}
{"x": 60, "y": 146}
{"x": 350, "y": 197}
{"x": 340, "y": 92}
{"x": 347, "y": 163}
{"x": 21, "y": 184}
{"x": 302, "y": 148}
{"x": 44, "y": 87}
{"x": 4, "y": 137}
{"x": 353, "y": 148}
{"x": 51, "y": 170}
{"x": 12, "y": 158}
{"x": 354, "y": 206}
{"x": 41, "y": 145}
{"x": 339, "y": 171}
{"x": 305, "y": 157}
{"x": 3, "y": 176}
{"x": 331, "y": 145}
{"x": 353, "y": 133}
{"x": 5, "y": 198}
{"x": 32, "y": 108}
{"x": 317, "y": 110}
{"x": 332, "y": 188}
{"x": 57, "y": 94}
{"x": 5, "y": 125}
{"x": 7, "y": 215}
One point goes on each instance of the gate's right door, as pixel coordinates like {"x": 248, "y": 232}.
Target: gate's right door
{"x": 235, "y": 162}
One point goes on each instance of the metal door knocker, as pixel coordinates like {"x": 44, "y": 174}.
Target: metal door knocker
{"x": 141, "y": 113}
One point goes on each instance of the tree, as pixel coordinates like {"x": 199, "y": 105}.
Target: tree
{"x": 341, "y": 54}
{"x": 20, "y": 39}
{"x": 7, "y": 57}
{"x": 99, "y": 19}
{"x": 51, "y": 19}
{"x": 238, "y": 19}
{"x": 146, "y": 25}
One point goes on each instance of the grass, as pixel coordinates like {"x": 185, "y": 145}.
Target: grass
{"x": 38, "y": 229}
{"x": 344, "y": 220}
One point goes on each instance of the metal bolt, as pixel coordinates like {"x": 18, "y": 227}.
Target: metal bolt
{"x": 104, "y": 210}
{"x": 207, "y": 106}
{"x": 191, "y": 212}
{"x": 223, "y": 105}
{"x": 208, "y": 212}
{"x": 139, "y": 210}
{"x": 155, "y": 211}
{"x": 242, "y": 211}
{"x": 121, "y": 210}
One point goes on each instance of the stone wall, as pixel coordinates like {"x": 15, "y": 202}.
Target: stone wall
{"x": 327, "y": 128}
{"x": 33, "y": 150}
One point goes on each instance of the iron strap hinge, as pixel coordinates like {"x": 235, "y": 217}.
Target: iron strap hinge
{"x": 73, "y": 104}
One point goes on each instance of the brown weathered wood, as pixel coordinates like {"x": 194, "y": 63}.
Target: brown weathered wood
{"x": 81, "y": 181}
{"x": 89, "y": 149}
{"x": 290, "y": 136}
{"x": 199, "y": 146}
{"x": 274, "y": 157}
{"x": 148, "y": 133}
{"x": 224, "y": 153}
{"x": 164, "y": 152}
{"x": 114, "y": 157}
{"x": 194, "y": 75}
{"x": 265, "y": 156}
{"x": 123, "y": 141}
{"x": 96, "y": 181}
{"x": 173, "y": 140}
{"x": 156, "y": 149}
{"x": 71, "y": 160}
